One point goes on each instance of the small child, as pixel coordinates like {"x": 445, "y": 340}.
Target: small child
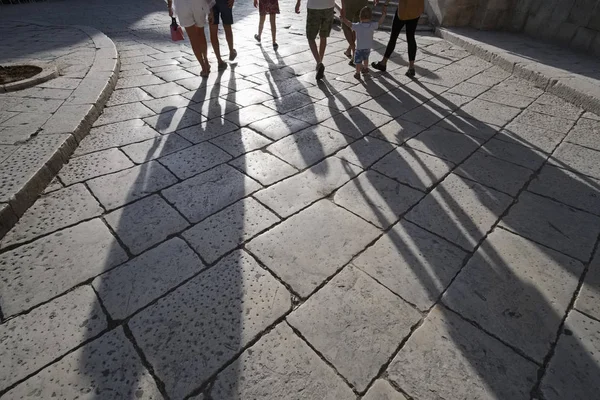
{"x": 265, "y": 7}
{"x": 364, "y": 38}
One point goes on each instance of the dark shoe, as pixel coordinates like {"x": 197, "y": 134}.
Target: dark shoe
{"x": 222, "y": 66}
{"x": 357, "y": 76}
{"x": 348, "y": 53}
{"x": 351, "y": 63}
{"x": 378, "y": 66}
{"x": 257, "y": 38}
{"x": 320, "y": 72}
{"x": 275, "y": 46}
{"x": 410, "y": 73}
{"x": 232, "y": 55}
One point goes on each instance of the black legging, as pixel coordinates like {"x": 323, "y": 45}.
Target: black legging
{"x": 411, "y": 28}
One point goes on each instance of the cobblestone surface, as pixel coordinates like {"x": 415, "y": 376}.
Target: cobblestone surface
{"x": 258, "y": 234}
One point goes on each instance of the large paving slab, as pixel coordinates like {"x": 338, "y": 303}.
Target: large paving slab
{"x": 72, "y": 256}
{"x": 350, "y": 308}
{"x": 459, "y": 361}
{"x": 104, "y": 367}
{"x": 152, "y": 149}
{"x": 442, "y": 143}
{"x": 210, "y": 318}
{"x": 574, "y": 368}
{"x": 382, "y": 390}
{"x": 319, "y": 241}
{"x": 578, "y": 159}
{"x": 91, "y": 165}
{"x": 585, "y": 133}
{"x": 588, "y": 299}
{"x": 413, "y": 263}
{"x": 115, "y": 135}
{"x": 511, "y": 285}
{"x": 263, "y": 167}
{"x": 241, "y": 141}
{"x": 194, "y": 160}
{"x": 33, "y": 340}
{"x": 554, "y": 224}
{"x": 288, "y": 364}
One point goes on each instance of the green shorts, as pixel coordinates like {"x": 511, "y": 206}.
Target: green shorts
{"x": 352, "y": 9}
{"x": 318, "y": 21}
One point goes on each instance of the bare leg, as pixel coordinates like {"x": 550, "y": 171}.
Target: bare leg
{"x": 322, "y": 46}
{"x": 273, "y": 27}
{"x": 348, "y": 34}
{"x": 365, "y": 66}
{"x": 315, "y": 52}
{"x": 214, "y": 39}
{"x": 229, "y": 37}
{"x": 261, "y": 24}
{"x": 199, "y": 46}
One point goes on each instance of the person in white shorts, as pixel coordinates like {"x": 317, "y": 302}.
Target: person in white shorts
{"x": 192, "y": 16}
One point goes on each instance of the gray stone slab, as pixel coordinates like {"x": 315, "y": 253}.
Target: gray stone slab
{"x": 365, "y": 152}
{"x": 50, "y": 213}
{"x": 72, "y": 256}
{"x": 263, "y": 167}
{"x": 53, "y": 186}
{"x": 393, "y": 104}
{"x": 357, "y": 122}
{"x": 578, "y": 159}
{"x": 318, "y": 242}
{"x": 492, "y": 113}
{"x": 194, "y": 160}
{"x": 568, "y": 187}
{"x": 115, "y": 135}
{"x": 382, "y": 390}
{"x": 209, "y": 192}
{"x": 145, "y": 223}
{"x": 290, "y": 367}
{"x": 554, "y": 105}
{"x": 352, "y": 307}
{"x": 108, "y": 367}
{"x": 207, "y": 130}
{"x": 241, "y": 141}
{"x": 124, "y": 187}
{"x": 520, "y": 87}
{"x": 215, "y": 107}
{"x": 590, "y": 115}
{"x": 289, "y": 102}
{"x": 589, "y": 296}
{"x": 515, "y": 153}
{"x": 35, "y": 339}
{"x": 251, "y": 96}
{"x": 168, "y": 103}
{"x": 536, "y": 138}
{"x": 509, "y": 99}
{"x": 135, "y": 284}
{"x": 586, "y": 133}
{"x": 545, "y": 121}
{"x": 247, "y": 115}
{"x": 278, "y": 126}
{"x": 91, "y": 165}
{"x": 229, "y": 228}
{"x": 413, "y": 168}
{"x": 376, "y": 198}
{"x": 164, "y": 89}
{"x": 123, "y": 112}
{"x": 314, "y": 113}
{"x": 554, "y": 224}
{"x": 442, "y": 143}
{"x": 397, "y": 131}
{"x": 512, "y": 283}
{"x": 460, "y": 210}
{"x": 573, "y": 370}
{"x": 295, "y": 193}
{"x": 152, "y": 149}
{"x": 137, "y": 81}
{"x": 468, "y": 89}
{"x": 468, "y": 126}
{"x": 494, "y": 172}
{"x": 413, "y": 263}
{"x": 459, "y": 361}
{"x": 172, "y": 120}
{"x": 216, "y": 314}
{"x": 173, "y": 75}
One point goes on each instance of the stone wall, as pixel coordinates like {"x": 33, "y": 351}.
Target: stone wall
{"x": 572, "y": 23}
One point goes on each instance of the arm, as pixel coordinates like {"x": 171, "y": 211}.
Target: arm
{"x": 343, "y": 18}
{"x": 383, "y": 15}
{"x": 170, "y": 7}
{"x": 298, "y": 7}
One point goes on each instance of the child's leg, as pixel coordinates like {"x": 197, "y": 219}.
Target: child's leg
{"x": 273, "y": 27}
{"x": 357, "y": 73}
{"x": 261, "y": 24}
{"x": 365, "y": 66}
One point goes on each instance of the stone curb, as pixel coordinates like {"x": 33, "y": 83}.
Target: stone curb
{"x": 48, "y": 72}
{"x": 579, "y": 95}
{"x": 73, "y": 120}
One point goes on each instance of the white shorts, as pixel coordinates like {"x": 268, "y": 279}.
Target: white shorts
{"x": 191, "y": 12}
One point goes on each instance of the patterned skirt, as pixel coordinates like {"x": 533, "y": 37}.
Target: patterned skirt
{"x": 268, "y": 7}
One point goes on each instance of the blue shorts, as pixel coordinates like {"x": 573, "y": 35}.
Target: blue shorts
{"x": 221, "y": 9}
{"x": 361, "y": 55}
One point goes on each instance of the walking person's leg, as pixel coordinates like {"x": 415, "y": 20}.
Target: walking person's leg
{"x": 229, "y": 39}
{"x": 411, "y": 29}
{"x": 396, "y": 28}
{"x": 261, "y": 24}
{"x": 226, "y": 8}
{"x": 313, "y": 24}
{"x": 199, "y": 46}
{"x": 272, "y": 18}
{"x": 214, "y": 37}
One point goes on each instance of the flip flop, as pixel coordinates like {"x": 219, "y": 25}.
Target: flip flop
{"x": 233, "y": 55}
{"x": 257, "y": 38}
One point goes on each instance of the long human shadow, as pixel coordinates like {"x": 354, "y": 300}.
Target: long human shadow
{"x": 431, "y": 276}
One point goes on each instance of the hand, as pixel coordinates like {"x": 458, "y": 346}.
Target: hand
{"x": 230, "y": 3}
{"x": 255, "y": 3}
{"x": 211, "y": 18}
{"x": 375, "y": 2}
{"x": 298, "y": 7}
{"x": 342, "y": 12}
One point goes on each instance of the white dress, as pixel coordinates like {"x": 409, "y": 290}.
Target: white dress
{"x": 192, "y": 12}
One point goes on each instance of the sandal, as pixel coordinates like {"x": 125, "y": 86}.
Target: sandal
{"x": 410, "y": 73}
{"x": 257, "y": 37}
{"x": 204, "y": 74}
{"x": 378, "y": 66}
{"x": 222, "y": 66}
{"x": 357, "y": 76}
{"x": 233, "y": 55}
{"x": 275, "y": 46}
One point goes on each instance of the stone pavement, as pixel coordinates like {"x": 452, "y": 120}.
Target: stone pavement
{"x": 258, "y": 235}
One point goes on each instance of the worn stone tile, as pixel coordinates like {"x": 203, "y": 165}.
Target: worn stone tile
{"x": 50, "y": 213}
{"x": 382, "y": 390}
{"x": 578, "y": 159}
{"x": 104, "y": 367}
{"x": 413, "y": 263}
{"x": 393, "y": 103}
{"x": 536, "y": 138}
{"x": 241, "y": 141}
{"x": 460, "y": 211}
{"x": 161, "y": 146}
{"x": 554, "y": 224}
{"x": 568, "y": 187}
{"x": 357, "y": 122}
{"x": 135, "y": 284}
{"x": 172, "y": 120}
{"x": 278, "y": 126}
{"x": 309, "y": 146}
{"x": 350, "y": 308}
{"x": 12, "y": 105}
{"x": 511, "y": 283}
{"x": 591, "y": 116}
{"x": 173, "y": 75}
{"x": 413, "y": 168}
{"x": 209, "y": 192}
{"x": 115, "y": 135}
{"x": 164, "y": 89}
{"x": 295, "y": 193}
{"x": 123, "y": 112}
{"x": 313, "y": 113}
{"x": 397, "y": 131}
{"x": 587, "y": 301}
{"x": 160, "y": 62}
{"x": 376, "y": 198}
{"x": 194, "y": 160}
{"x": 229, "y": 228}
{"x": 545, "y": 121}
{"x": 251, "y": 96}
{"x": 555, "y": 106}
{"x": 263, "y": 167}
{"x": 247, "y": 115}
{"x": 207, "y": 130}
{"x": 304, "y": 262}
{"x": 216, "y": 107}
{"x": 442, "y": 143}
{"x": 124, "y": 187}
{"x": 365, "y": 152}
{"x": 124, "y": 96}
{"x": 492, "y": 113}
{"x": 137, "y": 81}
{"x": 168, "y": 103}
{"x": 145, "y": 223}
{"x": 508, "y": 99}
{"x": 134, "y": 72}
{"x": 586, "y": 133}
{"x": 345, "y": 99}
{"x": 494, "y": 172}
{"x": 515, "y": 153}
{"x": 217, "y": 313}
{"x": 53, "y": 186}
{"x": 519, "y": 87}
{"x": 289, "y": 102}
{"x": 469, "y": 89}
{"x": 573, "y": 369}
{"x": 426, "y": 115}
{"x": 72, "y": 256}
{"x": 450, "y": 352}
{"x": 468, "y": 126}
{"x": 91, "y": 165}
{"x": 288, "y": 364}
